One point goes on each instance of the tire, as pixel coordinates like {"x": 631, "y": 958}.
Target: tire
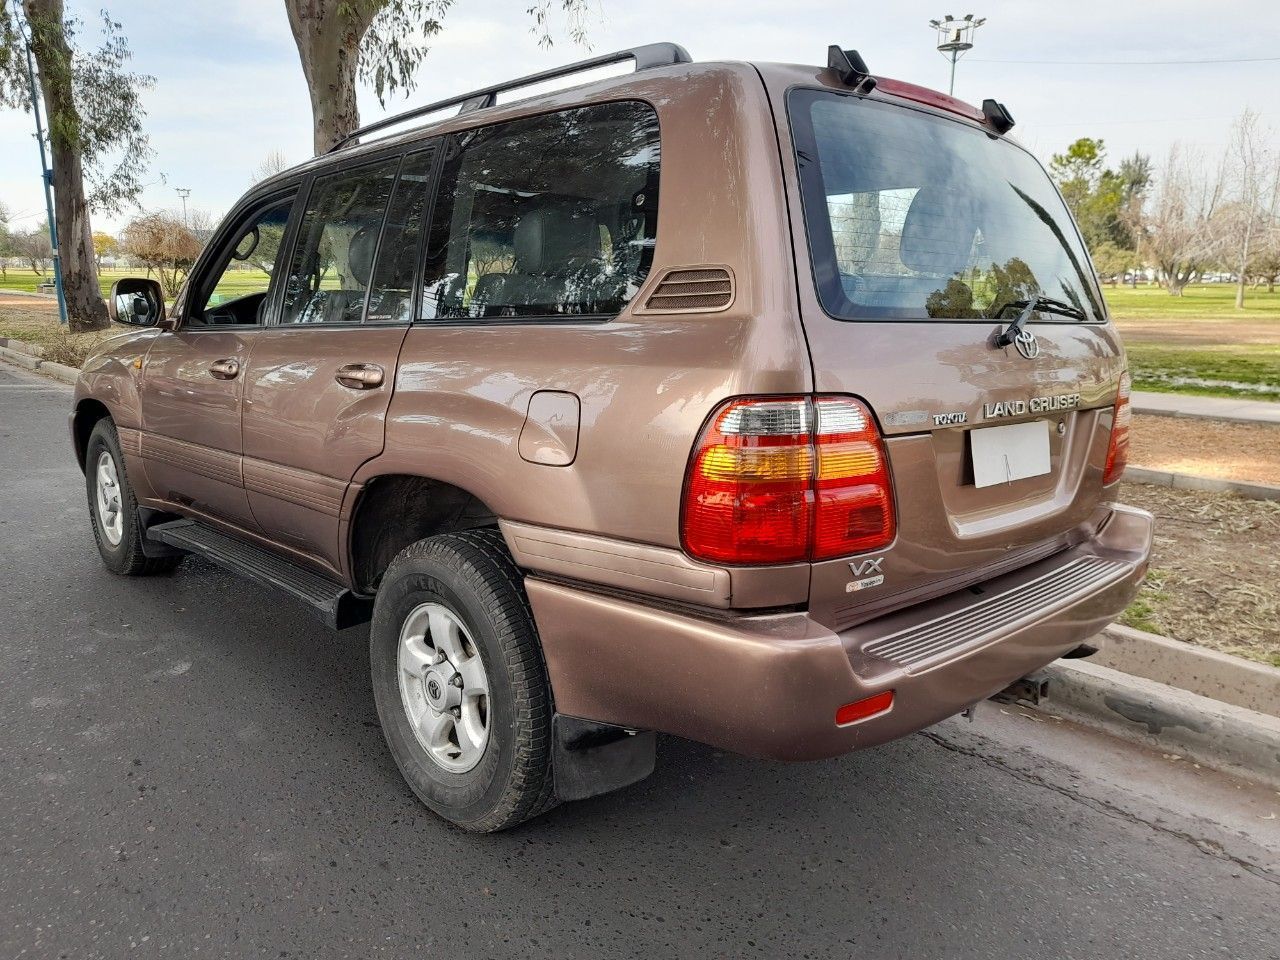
{"x": 471, "y": 578}
{"x": 118, "y": 533}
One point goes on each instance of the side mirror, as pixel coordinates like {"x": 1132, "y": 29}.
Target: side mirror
{"x": 137, "y": 302}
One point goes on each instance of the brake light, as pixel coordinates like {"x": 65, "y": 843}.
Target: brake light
{"x": 1118, "y": 448}
{"x": 786, "y": 479}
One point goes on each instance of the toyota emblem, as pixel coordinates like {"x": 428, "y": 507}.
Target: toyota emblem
{"x": 1027, "y": 344}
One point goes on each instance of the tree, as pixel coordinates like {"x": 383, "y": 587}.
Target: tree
{"x": 162, "y": 242}
{"x": 6, "y": 250}
{"x": 1104, "y": 202}
{"x": 32, "y": 245}
{"x": 104, "y": 245}
{"x": 1184, "y": 222}
{"x": 1113, "y": 261}
{"x": 341, "y": 42}
{"x": 1253, "y": 196}
{"x": 94, "y": 115}
{"x": 273, "y": 163}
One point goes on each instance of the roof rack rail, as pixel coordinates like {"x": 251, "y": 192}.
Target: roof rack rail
{"x": 647, "y": 56}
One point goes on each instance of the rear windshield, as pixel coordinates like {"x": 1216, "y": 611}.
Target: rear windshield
{"x": 912, "y": 216}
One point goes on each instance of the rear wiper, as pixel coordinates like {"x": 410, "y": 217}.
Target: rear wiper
{"x": 1034, "y": 304}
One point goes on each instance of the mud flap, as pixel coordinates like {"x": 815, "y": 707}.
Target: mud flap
{"x": 590, "y": 758}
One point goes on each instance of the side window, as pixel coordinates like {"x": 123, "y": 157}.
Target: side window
{"x": 391, "y": 293}
{"x": 328, "y": 277}
{"x": 547, "y": 216}
{"x": 235, "y": 290}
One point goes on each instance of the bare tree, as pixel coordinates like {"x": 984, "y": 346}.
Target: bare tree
{"x": 1184, "y": 222}
{"x": 273, "y": 163}
{"x": 32, "y": 245}
{"x": 381, "y": 42}
{"x": 1249, "y": 160}
{"x": 162, "y": 242}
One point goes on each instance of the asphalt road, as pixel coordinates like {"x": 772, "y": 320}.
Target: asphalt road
{"x": 190, "y": 768}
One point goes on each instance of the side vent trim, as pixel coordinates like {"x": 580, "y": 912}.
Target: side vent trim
{"x": 696, "y": 289}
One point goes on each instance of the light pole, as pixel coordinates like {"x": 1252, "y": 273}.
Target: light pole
{"x": 47, "y": 178}
{"x": 955, "y": 39}
{"x": 184, "y": 192}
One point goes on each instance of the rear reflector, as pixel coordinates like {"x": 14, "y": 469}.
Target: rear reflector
{"x": 788, "y": 479}
{"x": 1118, "y": 448}
{"x": 862, "y": 709}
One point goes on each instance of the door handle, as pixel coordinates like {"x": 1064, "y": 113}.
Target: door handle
{"x": 227, "y": 369}
{"x": 360, "y": 376}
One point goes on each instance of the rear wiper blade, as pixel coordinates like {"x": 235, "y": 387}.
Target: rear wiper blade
{"x": 1034, "y": 304}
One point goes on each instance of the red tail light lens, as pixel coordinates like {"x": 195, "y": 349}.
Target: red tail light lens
{"x": 781, "y": 480}
{"x": 1118, "y": 448}
{"x": 855, "y": 500}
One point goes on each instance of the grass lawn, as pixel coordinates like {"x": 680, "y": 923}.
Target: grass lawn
{"x": 233, "y": 284}
{"x": 1215, "y": 300}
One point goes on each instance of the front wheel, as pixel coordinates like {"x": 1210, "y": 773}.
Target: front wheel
{"x": 113, "y": 509}
{"x": 460, "y": 683}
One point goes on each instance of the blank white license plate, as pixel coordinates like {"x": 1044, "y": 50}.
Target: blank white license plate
{"x": 1012, "y": 452}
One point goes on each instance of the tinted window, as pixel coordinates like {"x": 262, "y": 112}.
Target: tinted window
{"x": 391, "y": 293}
{"x": 914, "y": 216}
{"x": 234, "y": 291}
{"x": 329, "y": 273}
{"x": 552, "y": 215}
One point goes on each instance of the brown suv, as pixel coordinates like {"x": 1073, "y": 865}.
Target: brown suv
{"x": 776, "y": 407}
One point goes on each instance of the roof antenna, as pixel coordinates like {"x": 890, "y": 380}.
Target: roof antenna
{"x": 851, "y": 68}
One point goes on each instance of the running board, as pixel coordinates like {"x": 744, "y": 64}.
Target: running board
{"x": 335, "y": 605}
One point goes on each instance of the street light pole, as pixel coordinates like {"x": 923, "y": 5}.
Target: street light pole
{"x": 47, "y": 178}
{"x": 184, "y": 192}
{"x": 955, "y": 39}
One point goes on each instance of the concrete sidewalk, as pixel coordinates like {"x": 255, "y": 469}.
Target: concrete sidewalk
{"x": 1216, "y": 408}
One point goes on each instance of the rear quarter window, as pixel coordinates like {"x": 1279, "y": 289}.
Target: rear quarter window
{"x": 546, "y": 216}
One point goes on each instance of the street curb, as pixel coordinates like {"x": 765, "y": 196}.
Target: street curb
{"x": 1209, "y": 673}
{"x": 22, "y": 346}
{"x": 1189, "y": 415}
{"x": 1185, "y": 481}
{"x": 1156, "y": 715}
{"x": 57, "y": 371}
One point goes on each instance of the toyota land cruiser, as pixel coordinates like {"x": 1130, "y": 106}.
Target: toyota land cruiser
{"x": 775, "y": 407}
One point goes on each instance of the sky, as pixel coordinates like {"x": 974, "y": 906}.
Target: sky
{"x": 229, "y": 87}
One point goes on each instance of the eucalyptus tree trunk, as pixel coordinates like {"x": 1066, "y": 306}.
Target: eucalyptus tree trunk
{"x": 85, "y": 307}
{"x": 328, "y": 34}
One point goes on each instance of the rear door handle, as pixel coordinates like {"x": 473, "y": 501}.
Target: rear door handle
{"x": 360, "y": 376}
{"x": 227, "y": 369}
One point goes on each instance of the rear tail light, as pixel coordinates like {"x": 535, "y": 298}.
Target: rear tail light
{"x": 786, "y": 479}
{"x": 1118, "y": 448}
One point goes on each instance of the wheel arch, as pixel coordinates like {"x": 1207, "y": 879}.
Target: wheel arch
{"x": 395, "y": 510}
{"x": 88, "y": 413}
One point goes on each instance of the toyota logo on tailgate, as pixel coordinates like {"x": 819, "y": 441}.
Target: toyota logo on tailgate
{"x": 1027, "y": 344}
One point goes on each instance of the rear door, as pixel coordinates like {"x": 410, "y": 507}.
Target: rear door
{"x": 320, "y": 380}
{"x": 193, "y": 378}
{"x": 925, "y": 236}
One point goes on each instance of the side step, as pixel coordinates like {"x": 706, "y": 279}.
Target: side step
{"x": 335, "y": 605}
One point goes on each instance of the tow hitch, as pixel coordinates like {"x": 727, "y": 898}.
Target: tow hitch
{"x": 1032, "y": 688}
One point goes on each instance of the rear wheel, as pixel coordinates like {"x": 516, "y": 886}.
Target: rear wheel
{"x": 113, "y": 508}
{"x": 460, "y": 683}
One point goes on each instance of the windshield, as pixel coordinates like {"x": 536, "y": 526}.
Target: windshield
{"x": 913, "y": 217}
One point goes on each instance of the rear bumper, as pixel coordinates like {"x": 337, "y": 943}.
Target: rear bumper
{"x": 769, "y": 686}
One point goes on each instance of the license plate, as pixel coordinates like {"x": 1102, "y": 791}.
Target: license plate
{"x": 1011, "y": 452}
